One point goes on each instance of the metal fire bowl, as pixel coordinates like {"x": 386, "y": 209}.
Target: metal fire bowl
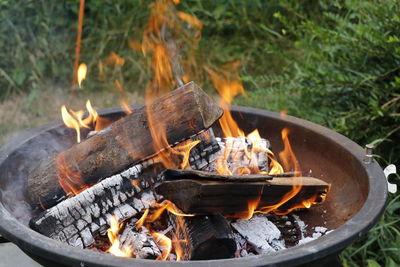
{"x": 354, "y": 204}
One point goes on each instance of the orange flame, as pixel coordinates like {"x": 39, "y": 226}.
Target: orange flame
{"x": 140, "y": 222}
{"x": 287, "y": 156}
{"x": 165, "y": 242}
{"x": 177, "y": 237}
{"x": 74, "y": 119}
{"x": 69, "y": 178}
{"x": 71, "y": 122}
{"x": 166, "y": 205}
{"x": 81, "y": 73}
{"x": 112, "y": 234}
{"x": 122, "y": 101}
{"x": 228, "y": 84}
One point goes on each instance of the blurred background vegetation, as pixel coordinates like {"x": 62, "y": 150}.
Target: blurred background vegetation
{"x": 336, "y": 63}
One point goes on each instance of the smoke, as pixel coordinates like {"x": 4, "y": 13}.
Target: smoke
{"x": 20, "y": 156}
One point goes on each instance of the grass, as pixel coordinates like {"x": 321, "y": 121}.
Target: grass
{"x": 334, "y": 63}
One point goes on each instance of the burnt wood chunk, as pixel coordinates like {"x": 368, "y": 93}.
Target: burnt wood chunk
{"x": 225, "y": 197}
{"x": 260, "y": 233}
{"x": 207, "y": 237}
{"x": 79, "y": 219}
{"x": 182, "y": 113}
{"x": 142, "y": 245}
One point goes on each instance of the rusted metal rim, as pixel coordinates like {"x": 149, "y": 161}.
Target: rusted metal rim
{"x": 50, "y": 252}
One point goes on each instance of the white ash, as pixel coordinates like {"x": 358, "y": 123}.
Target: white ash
{"x": 260, "y": 233}
{"x": 142, "y": 244}
{"x": 260, "y": 236}
{"x": 318, "y": 231}
{"x": 301, "y": 225}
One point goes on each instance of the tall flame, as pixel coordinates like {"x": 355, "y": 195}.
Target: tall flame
{"x": 228, "y": 84}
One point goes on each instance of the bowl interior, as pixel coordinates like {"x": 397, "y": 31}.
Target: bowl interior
{"x": 321, "y": 153}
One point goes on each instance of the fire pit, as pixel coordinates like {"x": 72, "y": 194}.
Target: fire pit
{"x": 356, "y": 200}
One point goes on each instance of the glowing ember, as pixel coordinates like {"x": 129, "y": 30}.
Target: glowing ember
{"x": 112, "y": 234}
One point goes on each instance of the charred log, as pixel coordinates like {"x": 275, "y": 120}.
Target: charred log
{"x": 205, "y": 237}
{"x": 88, "y": 211}
{"x": 182, "y": 113}
{"x": 216, "y": 197}
{"x": 178, "y": 174}
{"x": 77, "y": 220}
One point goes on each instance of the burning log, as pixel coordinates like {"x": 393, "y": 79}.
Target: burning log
{"x": 205, "y": 237}
{"x": 182, "y": 113}
{"x": 208, "y": 196}
{"x": 119, "y": 194}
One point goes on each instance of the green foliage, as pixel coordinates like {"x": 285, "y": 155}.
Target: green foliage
{"x": 37, "y": 42}
{"x": 344, "y": 73}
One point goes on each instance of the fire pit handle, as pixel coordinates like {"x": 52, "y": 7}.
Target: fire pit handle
{"x": 368, "y": 153}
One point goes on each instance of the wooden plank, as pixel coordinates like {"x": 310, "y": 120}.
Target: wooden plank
{"x": 216, "y": 197}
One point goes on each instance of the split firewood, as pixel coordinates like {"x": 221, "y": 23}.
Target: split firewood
{"x": 181, "y": 113}
{"x": 119, "y": 195}
{"x": 225, "y": 197}
{"x": 204, "y": 237}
